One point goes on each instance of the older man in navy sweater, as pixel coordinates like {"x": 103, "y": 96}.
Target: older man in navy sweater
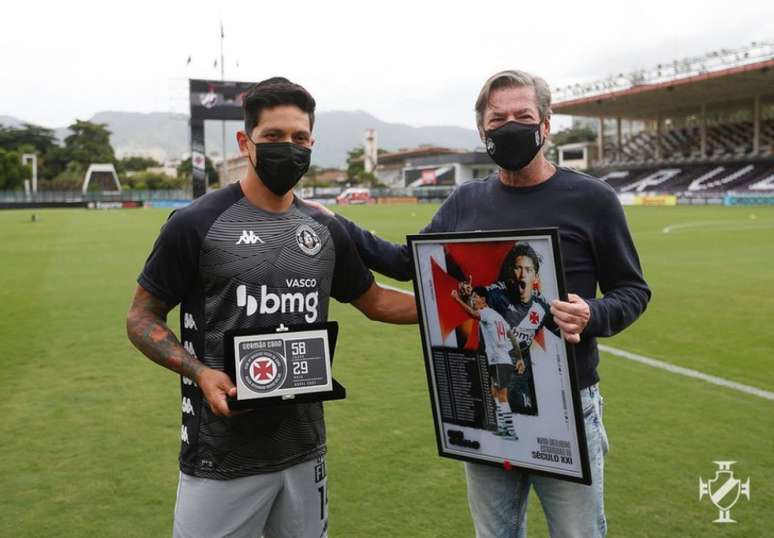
{"x": 513, "y": 112}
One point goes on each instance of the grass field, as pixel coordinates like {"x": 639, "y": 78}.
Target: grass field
{"x": 91, "y": 428}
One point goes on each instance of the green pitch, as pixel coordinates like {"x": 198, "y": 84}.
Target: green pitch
{"x": 91, "y": 428}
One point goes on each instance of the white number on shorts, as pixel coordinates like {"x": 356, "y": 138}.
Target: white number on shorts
{"x": 323, "y": 500}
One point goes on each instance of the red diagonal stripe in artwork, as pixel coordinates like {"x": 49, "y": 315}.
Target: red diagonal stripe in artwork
{"x": 482, "y": 260}
{"x": 450, "y": 313}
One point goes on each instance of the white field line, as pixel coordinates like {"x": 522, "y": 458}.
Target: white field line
{"x": 698, "y": 224}
{"x": 720, "y": 225}
{"x": 687, "y": 372}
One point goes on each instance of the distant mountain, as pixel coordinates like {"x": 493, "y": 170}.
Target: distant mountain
{"x": 337, "y": 132}
{"x": 10, "y": 121}
{"x": 165, "y": 135}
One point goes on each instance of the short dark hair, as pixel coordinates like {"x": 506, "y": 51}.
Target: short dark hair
{"x": 481, "y": 292}
{"x": 272, "y": 92}
{"x": 520, "y": 249}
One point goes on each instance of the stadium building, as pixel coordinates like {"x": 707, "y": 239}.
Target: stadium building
{"x": 697, "y": 130}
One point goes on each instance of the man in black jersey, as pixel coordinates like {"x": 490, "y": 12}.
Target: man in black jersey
{"x": 251, "y": 254}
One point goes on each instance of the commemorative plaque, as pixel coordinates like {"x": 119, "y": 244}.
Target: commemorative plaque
{"x": 285, "y": 364}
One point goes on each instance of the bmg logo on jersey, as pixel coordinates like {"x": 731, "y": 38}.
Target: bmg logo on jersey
{"x": 271, "y": 303}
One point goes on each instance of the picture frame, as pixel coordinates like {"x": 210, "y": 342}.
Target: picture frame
{"x": 502, "y": 380}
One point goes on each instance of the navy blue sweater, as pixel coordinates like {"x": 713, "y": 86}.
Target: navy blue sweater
{"x": 596, "y": 246}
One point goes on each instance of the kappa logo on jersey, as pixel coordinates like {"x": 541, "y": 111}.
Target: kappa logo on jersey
{"x": 189, "y": 381}
{"x": 188, "y": 322}
{"x": 263, "y": 371}
{"x": 188, "y": 346}
{"x": 187, "y": 406}
{"x": 271, "y": 303}
{"x": 184, "y": 434}
{"x": 308, "y": 240}
{"x": 249, "y": 237}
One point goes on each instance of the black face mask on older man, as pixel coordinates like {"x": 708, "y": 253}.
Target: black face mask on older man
{"x": 513, "y": 145}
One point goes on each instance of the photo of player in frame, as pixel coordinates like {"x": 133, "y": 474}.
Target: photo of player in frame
{"x": 501, "y": 378}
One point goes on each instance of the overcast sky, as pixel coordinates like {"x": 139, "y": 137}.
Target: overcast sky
{"x": 416, "y": 62}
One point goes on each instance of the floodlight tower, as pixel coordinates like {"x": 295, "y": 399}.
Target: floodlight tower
{"x": 370, "y": 152}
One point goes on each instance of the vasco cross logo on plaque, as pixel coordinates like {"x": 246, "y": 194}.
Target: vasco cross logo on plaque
{"x": 263, "y": 371}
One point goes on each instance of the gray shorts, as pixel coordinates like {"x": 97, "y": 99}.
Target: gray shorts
{"x": 290, "y": 503}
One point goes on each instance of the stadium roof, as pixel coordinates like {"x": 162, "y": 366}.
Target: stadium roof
{"x": 683, "y": 90}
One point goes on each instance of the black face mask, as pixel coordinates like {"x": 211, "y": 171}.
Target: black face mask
{"x": 280, "y": 165}
{"x": 513, "y": 145}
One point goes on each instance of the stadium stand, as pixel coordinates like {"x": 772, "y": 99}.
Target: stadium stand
{"x": 691, "y": 178}
{"x": 724, "y": 141}
{"x": 707, "y": 124}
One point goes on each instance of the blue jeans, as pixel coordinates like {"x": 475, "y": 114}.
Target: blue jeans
{"x": 498, "y": 498}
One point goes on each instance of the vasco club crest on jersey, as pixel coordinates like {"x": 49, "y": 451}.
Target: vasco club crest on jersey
{"x": 263, "y": 371}
{"x": 308, "y": 240}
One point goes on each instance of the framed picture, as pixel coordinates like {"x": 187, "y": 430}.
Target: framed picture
{"x": 502, "y": 380}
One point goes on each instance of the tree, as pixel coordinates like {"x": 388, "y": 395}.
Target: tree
{"x": 69, "y": 179}
{"x": 89, "y": 143}
{"x": 12, "y": 172}
{"x": 185, "y": 170}
{"x": 356, "y": 167}
{"x": 136, "y": 164}
{"x": 38, "y": 140}
{"x": 569, "y": 136}
{"x": 41, "y": 139}
{"x": 355, "y": 162}
{"x": 153, "y": 181}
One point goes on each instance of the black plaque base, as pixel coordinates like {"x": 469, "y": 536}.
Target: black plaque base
{"x": 337, "y": 393}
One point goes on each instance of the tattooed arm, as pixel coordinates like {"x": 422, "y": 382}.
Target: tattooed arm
{"x": 146, "y": 326}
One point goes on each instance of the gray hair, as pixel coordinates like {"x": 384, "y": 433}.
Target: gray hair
{"x": 514, "y": 79}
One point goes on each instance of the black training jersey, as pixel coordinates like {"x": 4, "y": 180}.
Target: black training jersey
{"x": 231, "y": 265}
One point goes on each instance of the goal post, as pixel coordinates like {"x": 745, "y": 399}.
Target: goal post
{"x": 104, "y": 176}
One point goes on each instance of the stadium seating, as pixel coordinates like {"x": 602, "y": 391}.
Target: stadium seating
{"x": 680, "y": 145}
{"x": 689, "y": 178}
